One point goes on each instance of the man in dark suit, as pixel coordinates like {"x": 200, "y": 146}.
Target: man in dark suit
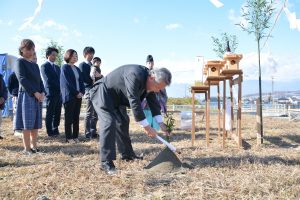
{"x": 3, "y": 98}
{"x": 126, "y": 86}
{"x": 51, "y": 75}
{"x": 91, "y": 119}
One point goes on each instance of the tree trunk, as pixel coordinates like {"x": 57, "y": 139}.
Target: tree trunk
{"x": 260, "y": 93}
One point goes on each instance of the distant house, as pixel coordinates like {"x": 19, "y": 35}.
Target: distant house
{"x": 295, "y": 100}
{"x": 283, "y": 100}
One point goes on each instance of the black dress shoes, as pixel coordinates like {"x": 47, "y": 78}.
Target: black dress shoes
{"x": 52, "y": 135}
{"x": 91, "y": 135}
{"x": 56, "y": 132}
{"x": 109, "y": 167}
{"x": 131, "y": 158}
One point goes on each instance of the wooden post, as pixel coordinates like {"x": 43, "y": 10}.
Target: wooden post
{"x": 193, "y": 117}
{"x": 224, "y": 111}
{"x": 240, "y": 112}
{"x": 219, "y": 115}
{"x": 208, "y": 116}
{"x": 232, "y": 104}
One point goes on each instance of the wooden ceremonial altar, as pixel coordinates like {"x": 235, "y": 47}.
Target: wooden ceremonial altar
{"x": 217, "y": 72}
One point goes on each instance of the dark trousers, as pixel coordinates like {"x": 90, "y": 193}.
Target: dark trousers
{"x": 114, "y": 127}
{"x": 123, "y": 139}
{"x": 91, "y": 118}
{"x": 53, "y": 111}
{"x": 72, "y": 112}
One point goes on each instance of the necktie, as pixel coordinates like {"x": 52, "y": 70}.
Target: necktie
{"x": 54, "y": 68}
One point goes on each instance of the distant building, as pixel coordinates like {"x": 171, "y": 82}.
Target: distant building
{"x": 283, "y": 100}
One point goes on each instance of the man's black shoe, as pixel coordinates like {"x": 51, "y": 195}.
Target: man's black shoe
{"x": 88, "y": 136}
{"x": 131, "y": 158}
{"x": 35, "y": 150}
{"x": 109, "y": 167}
{"x": 56, "y": 133}
{"x": 52, "y": 135}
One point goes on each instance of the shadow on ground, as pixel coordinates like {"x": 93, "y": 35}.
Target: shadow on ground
{"x": 72, "y": 149}
{"x": 235, "y": 162}
{"x": 280, "y": 142}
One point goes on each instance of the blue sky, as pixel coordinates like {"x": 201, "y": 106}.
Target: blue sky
{"x": 173, "y": 31}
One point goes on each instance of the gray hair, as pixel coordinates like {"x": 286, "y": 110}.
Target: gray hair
{"x": 162, "y": 74}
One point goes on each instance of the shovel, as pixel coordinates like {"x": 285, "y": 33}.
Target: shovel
{"x": 169, "y": 145}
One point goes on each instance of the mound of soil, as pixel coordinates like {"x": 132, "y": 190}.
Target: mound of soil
{"x": 166, "y": 161}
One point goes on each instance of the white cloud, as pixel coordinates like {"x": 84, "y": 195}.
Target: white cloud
{"x": 77, "y": 33}
{"x": 29, "y": 20}
{"x": 294, "y": 22}
{"x": 48, "y": 24}
{"x": 183, "y": 71}
{"x": 8, "y": 23}
{"x": 136, "y": 20}
{"x": 282, "y": 67}
{"x": 53, "y": 25}
{"x": 17, "y": 38}
{"x": 216, "y": 3}
{"x": 233, "y": 17}
{"x": 173, "y": 26}
{"x": 236, "y": 19}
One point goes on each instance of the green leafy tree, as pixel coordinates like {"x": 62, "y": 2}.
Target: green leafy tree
{"x": 258, "y": 14}
{"x": 220, "y": 43}
{"x": 60, "y": 58}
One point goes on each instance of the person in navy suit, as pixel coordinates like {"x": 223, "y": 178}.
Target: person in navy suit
{"x": 3, "y": 98}
{"x": 72, "y": 91}
{"x": 91, "y": 119}
{"x": 51, "y": 77}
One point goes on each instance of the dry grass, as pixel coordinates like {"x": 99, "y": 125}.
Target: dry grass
{"x": 64, "y": 171}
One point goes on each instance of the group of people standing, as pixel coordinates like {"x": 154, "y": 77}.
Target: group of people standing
{"x": 29, "y": 85}
{"x": 142, "y": 88}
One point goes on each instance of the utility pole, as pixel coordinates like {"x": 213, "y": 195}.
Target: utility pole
{"x": 200, "y": 59}
{"x": 272, "y": 77}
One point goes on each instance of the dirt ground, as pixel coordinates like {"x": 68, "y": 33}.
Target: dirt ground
{"x": 71, "y": 171}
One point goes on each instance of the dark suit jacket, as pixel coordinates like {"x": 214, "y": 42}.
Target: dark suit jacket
{"x": 13, "y": 84}
{"x": 3, "y": 91}
{"x": 86, "y": 69}
{"x": 29, "y": 77}
{"x": 51, "y": 79}
{"x": 68, "y": 83}
{"x": 125, "y": 86}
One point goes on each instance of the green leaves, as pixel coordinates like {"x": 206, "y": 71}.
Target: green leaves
{"x": 257, "y": 14}
{"x": 219, "y": 44}
{"x": 170, "y": 124}
{"x": 60, "y": 58}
